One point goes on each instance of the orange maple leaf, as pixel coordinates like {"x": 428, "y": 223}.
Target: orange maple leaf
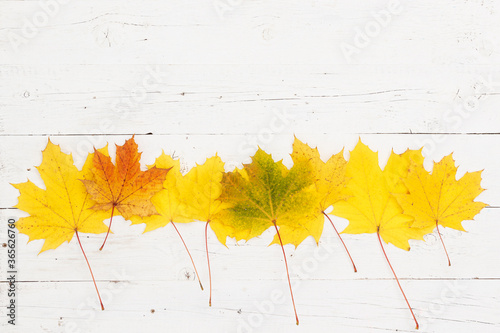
{"x": 124, "y": 186}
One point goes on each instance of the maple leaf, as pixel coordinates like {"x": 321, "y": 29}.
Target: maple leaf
{"x": 372, "y": 208}
{"x": 438, "y": 198}
{"x": 265, "y": 191}
{"x": 330, "y": 181}
{"x": 330, "y": 175}
{"x": 63, "y": 208}
{"x": 123, "y": 187}
{"x": 267, "y": 194}
{"x": 168, "y": 202}
{"x": 200, "y": 190}
{"x": 397, "y": 167}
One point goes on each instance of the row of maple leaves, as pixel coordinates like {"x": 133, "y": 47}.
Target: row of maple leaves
{"x": 401, "y": 202}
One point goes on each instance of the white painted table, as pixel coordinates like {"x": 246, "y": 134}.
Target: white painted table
{"x": 195, "y": 78}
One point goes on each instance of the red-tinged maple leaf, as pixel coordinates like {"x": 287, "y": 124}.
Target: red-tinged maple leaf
{"x": 124, "y": 186}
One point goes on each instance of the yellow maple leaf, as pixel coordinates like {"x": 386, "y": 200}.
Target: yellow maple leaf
{"x": 372, "y": 208}
{"x": 63, "y": 208}
{"x": 168, "y": 202}
{"x": 200, "y": 191}
{"x": 330, "y": 177}
{"x": 330, "y": 180}
{"x": 438, "y": 198}
{"x": 60, "y": 210}
{"x": 397, "y": 167}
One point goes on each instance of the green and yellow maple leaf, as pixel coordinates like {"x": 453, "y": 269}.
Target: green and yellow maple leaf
{"x": 265, "y": 193}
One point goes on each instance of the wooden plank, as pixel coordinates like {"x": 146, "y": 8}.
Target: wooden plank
{"x": 243, "y": 32}
{"x": 356, "y": 306}
{"x": 231, "y": 99}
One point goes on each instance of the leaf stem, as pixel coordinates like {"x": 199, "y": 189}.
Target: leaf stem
{"x": 90, "y": 269}
{"x": 208, "y": 262}
{"x": 338, "y": 234}
{"x": 397, "y": 280}
{"x": 109, "y": 228}
{"x": 287, "y": 274}
{"x": 442, "y": 242}
{"x": 190, "y": 257}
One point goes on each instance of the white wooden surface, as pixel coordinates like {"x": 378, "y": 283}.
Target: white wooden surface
{"x": 195, "y": 78}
